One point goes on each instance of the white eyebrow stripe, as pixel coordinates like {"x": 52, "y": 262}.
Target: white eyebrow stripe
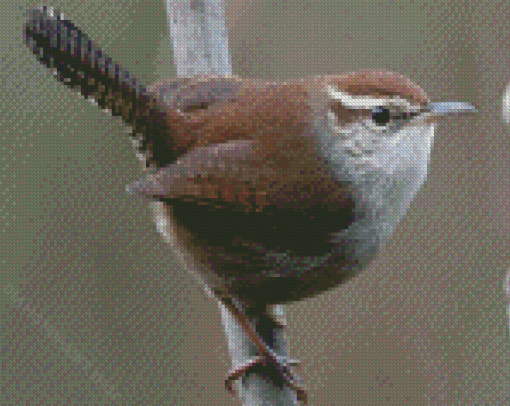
{"x": 367, "y": 102}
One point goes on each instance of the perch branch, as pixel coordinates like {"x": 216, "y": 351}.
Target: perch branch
{"x": 200, "y": 43}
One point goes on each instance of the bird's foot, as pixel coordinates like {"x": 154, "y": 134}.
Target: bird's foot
{"x": 283, "y": 365}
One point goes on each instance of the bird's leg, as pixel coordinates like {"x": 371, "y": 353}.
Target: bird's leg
{"x": 266, "y": 355}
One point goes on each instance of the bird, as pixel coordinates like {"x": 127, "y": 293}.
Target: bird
{"x": 273, "y": 191}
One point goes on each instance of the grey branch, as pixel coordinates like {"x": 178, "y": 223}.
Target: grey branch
{"x": 200, "y": 41}
{"x": 199, "y": 36}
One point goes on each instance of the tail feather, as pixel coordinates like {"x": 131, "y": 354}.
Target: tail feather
{"x": 81, "y": 64}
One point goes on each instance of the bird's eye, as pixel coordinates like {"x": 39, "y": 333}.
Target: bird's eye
{"x": 381, "y": 116}
{"x": 387, "y": 119}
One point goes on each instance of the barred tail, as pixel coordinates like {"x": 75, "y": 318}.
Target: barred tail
{"x": 81, "y": 64}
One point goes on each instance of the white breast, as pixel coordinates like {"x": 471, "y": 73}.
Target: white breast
{"x": 384, "y": 182}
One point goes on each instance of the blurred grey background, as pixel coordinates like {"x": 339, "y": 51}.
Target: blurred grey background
{"x": 94, "y": 309}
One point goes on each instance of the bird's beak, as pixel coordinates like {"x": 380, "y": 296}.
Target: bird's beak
{"x": 442, "y": 109}
{"x": 435, "y": 110}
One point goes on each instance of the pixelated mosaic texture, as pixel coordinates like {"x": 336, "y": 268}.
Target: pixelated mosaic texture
{"x": 431, "y": 301}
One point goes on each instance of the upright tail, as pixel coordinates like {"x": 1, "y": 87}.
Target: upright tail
{"x": 81, "y": 64}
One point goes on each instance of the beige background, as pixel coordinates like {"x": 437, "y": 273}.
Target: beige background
{"x": 425, "y": 325}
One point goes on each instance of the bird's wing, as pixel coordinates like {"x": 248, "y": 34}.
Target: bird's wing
{"x": 290, "y": 202}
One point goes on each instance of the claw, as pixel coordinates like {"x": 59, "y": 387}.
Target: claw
{"x": 283, "y": 364}
{"x": 265, "y": 354}
{"x": 235, "y": 374}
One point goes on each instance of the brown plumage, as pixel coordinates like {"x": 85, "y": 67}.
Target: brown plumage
{"x": 258, "y": 183}
{"x": 238, "y": 162}
{"x": 235, "y": 160}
